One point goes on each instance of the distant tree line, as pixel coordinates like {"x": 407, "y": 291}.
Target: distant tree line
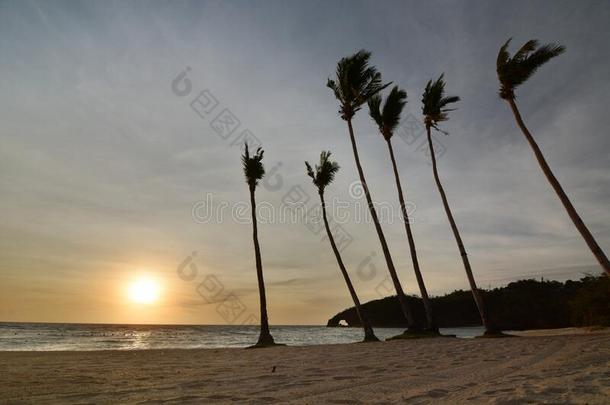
{"x": 524, "y": 304}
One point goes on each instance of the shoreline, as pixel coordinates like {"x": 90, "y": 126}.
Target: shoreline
{"x": 559, "y": 368}
{"x": 569, "y": 331}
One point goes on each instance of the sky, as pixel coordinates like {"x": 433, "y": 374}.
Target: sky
{"x": 111, "y": 160}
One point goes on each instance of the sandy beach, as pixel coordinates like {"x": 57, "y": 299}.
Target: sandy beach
{"x": 565, "y": 367}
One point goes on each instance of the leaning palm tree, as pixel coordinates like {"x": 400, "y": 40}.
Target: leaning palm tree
{"x": 355, "y": 83}
{"x": 322, "y": 176}
{"x": 514, "y": 71}
{"x": 387, "y": 119}
{"x": 254, "y": 171}
{"x": 435, "y": 110}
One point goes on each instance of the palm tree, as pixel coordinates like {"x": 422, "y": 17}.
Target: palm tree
{"x": 387, "y": 119}
{"x": 514, "y": 71}
{"x": 355, "y": 83}
{"x": 254, "y": 171}
{"x": 322, "y": 176}
{"x": 435, "y": 110}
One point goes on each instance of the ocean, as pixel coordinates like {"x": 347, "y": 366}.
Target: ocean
{"x": 84, "y": 337}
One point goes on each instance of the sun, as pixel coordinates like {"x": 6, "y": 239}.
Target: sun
{"x": 144, "y": 290}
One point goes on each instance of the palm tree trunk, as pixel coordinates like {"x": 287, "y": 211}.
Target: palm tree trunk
{"x": 478, "y": 298}
{"x": 580, "y": 225}
{"x": 384, "y": 246}
{"x": 431, "y": 325}
{"x": 369, "y": 335}
{"x": 265, "y": 337}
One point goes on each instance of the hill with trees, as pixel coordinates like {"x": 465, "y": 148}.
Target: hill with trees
{"x": 524, "y": 304}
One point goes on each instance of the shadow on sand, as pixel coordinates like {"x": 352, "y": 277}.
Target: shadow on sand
{"x": 419, "y": 334}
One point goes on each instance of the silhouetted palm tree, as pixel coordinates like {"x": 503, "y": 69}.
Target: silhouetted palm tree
{"x": 387, "y": 119}
{"x": 254, "y": 171}
{"x": 355, "y": 83}
{"x": 514, "y": 71}
{"x": 322, "y": 176}
{"x": 435, "y": 110}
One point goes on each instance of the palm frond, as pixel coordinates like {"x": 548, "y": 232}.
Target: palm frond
{"x": 538, "y": 58}
{"x": 435, "y": 102}
{"x": 392, "y": 109}
{"x": 310, "y": 171}
{"x": 333, "y": 86}
{"x": 503, "y": 55}
{"x": 525, "y": 50}
{"x": 253, "y": 166}
{"x": 324, "y": 172}
{"x": 388, "y": 118}
{"x": 355, "y": 82}
{"x": 375, "y": 109}
{"x": 514, "y": 71}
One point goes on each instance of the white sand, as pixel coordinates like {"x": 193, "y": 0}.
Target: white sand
{"x": 543, "y": 369}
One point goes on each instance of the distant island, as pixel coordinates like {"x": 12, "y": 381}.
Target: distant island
{"x": 524, "y": 304}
